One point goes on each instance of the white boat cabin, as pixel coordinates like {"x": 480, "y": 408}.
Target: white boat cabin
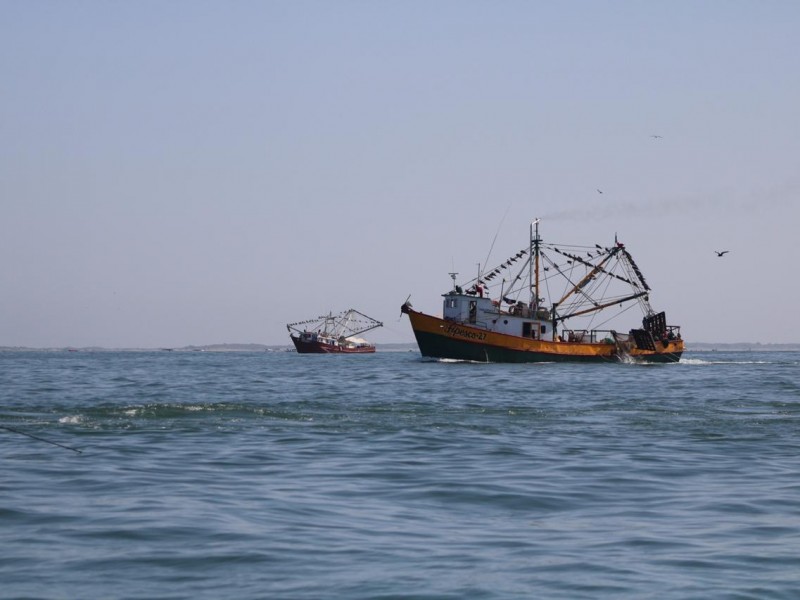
{"x": 517, "y": 319}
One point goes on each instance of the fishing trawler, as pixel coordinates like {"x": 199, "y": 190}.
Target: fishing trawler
{"x": 332, "y": 334}
{"x": 551, "y": 303}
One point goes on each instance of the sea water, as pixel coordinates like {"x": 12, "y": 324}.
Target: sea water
{"x": 278, "y": 475}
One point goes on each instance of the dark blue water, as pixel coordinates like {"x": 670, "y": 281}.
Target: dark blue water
{"x": 277, "y": 475}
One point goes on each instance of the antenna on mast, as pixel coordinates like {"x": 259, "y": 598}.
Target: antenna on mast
{"x": 453, "y": 277}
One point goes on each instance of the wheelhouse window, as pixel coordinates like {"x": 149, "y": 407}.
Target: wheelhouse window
{"x": 532, "y": 329}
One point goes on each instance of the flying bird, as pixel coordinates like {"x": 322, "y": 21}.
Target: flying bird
{"x": 721, "y": 252}
{"x": 599, "y": 191}
{"x": 657, "y": 137}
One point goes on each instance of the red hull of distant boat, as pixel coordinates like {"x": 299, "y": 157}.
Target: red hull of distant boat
{"x": 324, "y": 348}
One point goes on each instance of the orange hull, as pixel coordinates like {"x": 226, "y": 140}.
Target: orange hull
{"x": 438, "y": 338}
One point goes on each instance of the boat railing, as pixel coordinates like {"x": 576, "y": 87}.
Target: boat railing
{"x": 588, "y": 336}
{"x": 577, "y": 335}
{"x": 604, "y": 336}
{"x": 521, "y": 310}
{"x": 673, "y": 332}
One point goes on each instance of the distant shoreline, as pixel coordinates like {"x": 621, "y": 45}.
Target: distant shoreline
{"x": 741, "y": 347}
{"x": 392, "y": 347}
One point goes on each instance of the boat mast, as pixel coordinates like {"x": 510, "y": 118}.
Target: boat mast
{"x": 534, "y": 277}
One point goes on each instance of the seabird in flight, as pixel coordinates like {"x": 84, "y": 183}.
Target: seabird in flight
{"x": 721, "y": 253}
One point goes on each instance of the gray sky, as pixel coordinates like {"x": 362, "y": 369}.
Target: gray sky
{"x": 191, "y": 172}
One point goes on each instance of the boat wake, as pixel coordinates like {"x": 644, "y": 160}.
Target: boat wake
{"x": 701, "y": 361}
{"x": 455, "y": 361}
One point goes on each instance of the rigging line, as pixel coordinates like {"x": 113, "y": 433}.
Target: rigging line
{"x": 489, "y": 254}
{"x": 601, "y": 294}
{"x": 636, "y": 269}
{"x": 578, "y": 292}
{"x": 41, "y": 439}
{"x": 608, "y": 256}
{"x": 602, "y": 306}
{"x": 549, "y": 295}
{"x": 505, "y": 265}
{"x": 614, "y": 316}
{"x": 628, "y": 268}
{"x": 523, "y": 269}
{"x": 558, "y": 269}
{"x": 550, "y": 265}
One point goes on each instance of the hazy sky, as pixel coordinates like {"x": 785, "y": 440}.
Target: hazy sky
{"x": 192, "y": 172}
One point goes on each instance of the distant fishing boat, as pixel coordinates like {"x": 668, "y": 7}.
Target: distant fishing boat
{"x": 542, "y": 292}
{"x": 332, "y": 334}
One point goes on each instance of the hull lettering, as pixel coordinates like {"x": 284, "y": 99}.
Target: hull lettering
{"x": 456, "y": 331}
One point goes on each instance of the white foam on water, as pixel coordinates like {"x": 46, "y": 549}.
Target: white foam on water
{"x": 73, "y": 419}
{"x": 700, "y": 361}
